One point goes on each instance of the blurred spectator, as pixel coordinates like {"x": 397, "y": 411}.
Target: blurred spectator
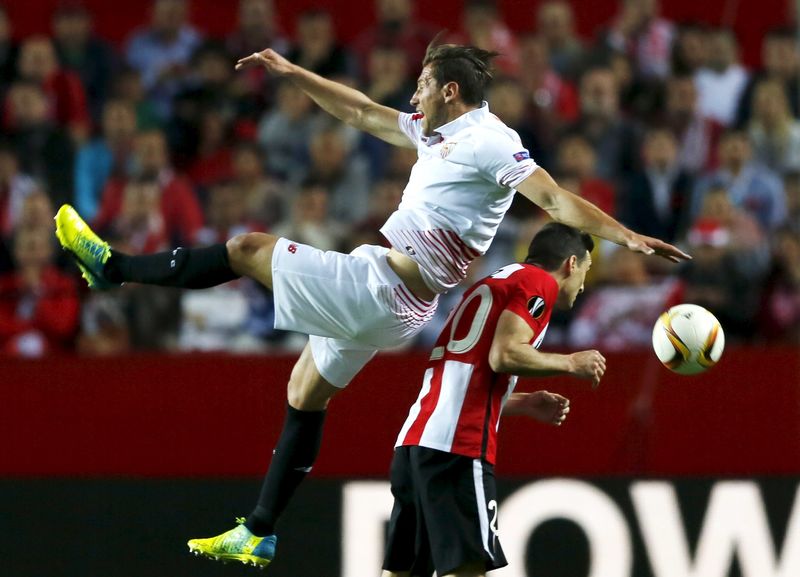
{"x": 79, "y": 50}
{"x": 139, "y": 227}
{"x": 226, "y": 214}
{"x": 552, "y": 101}
{"x": 179, "y": 207}
{"x": 385, "y": 197}
{"x": 752, "y": 187}
{"x": 161, "y": 52}
{"x": 775, "y": 133}
{"x": 8, "y": 52}
{"x": 690, "y": 50}
{"x": 127, "y": 86}
{"x": 310, "y": 221}
{"x": 577, "y": 160}
{"x": 657, "y": 200}
{"x": 387, "y": 82}
{"x": 209, "y": 87}
{"x": 66, "y": 97}
{"x": 744, "y": 234}
{"x": 642, "y": 35}
{"x": 214, "y": 158}
{"x": 721, "y": 82}
{"x": 387, "y": 78}
{"x": 697, "y": 135}
{"x": 508, "y": 101}
{"x": 395, "y": 26}
{"x": 45, "y": 151}
{"x": 619, "y": 316}
{"x": 264, "y": 196}
{"x": 256, "y": 30}
{"x": 781, "y": 62}
{"x": 317, "y": 49}
{"x": 779, "y": 315}
{"x": 221, "y": 318}
{"x": 614, "y": 138}
{"x": 285, "y": 130}
{"x": 105, "y": 156}
{"x": 15, "y": 187}
{"x": 715, "y": 280}
{"x": 483, "y": 26}
{"x": 345, "y": 175}
{"x": 39, "y": 305}
{"x": 555, "y": 25}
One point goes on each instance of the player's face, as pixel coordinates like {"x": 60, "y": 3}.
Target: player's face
{"x": 573, "y": 284}
{"x": 429, "y": 100}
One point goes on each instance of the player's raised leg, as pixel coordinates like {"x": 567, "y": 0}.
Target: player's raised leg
{"x": 196, "y": 268}
{"x": 292, "y": 460}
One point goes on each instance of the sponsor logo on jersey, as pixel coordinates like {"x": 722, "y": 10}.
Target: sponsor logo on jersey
{"x": 292, "y": 248}
{"x": 536, "y": 306}
{"x": 447, "y": 148}
{"x": 410, "y": 250}
{"x": 520, "y": 156}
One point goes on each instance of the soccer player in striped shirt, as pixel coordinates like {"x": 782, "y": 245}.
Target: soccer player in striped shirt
{"x": 445, "y": 509}
{"x": 469, "y": 166}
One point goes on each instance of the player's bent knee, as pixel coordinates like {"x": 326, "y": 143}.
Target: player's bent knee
{"x": 250, "y": 254}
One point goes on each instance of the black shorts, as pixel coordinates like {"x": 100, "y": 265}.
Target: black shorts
{"x": 444, "y": 515}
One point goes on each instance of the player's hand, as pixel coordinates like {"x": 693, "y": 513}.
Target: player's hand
{"x": 269, "y": 59}
{"x": 543, "y": 406}
{"x": 589, "y": 365}
{"x": 650, "y": 245}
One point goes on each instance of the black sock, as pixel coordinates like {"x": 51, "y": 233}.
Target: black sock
{"x": 194, "y": 268}
{"x": 292, "y": 460}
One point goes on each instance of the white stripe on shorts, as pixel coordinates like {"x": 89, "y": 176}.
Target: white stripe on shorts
{"x": 483, "y": 516}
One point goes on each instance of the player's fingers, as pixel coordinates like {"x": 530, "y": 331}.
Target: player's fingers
{"x": 247, "y": 61}
{"x": 565, "y": 410}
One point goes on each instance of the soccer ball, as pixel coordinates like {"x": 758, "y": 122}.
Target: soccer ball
{"x": 688, "y": 339}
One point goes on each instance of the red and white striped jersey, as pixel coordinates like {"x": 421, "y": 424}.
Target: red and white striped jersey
{"x": 459, "y": 190}
{"x": 458, "y": 409}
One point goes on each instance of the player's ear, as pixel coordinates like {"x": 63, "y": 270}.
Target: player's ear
{"x": 450, "y": 91}
{"x": 571, "y": 264}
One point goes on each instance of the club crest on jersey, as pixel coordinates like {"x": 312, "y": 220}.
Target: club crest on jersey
{"x": 536, "y": 306}
{"x": 522, "y": 155}
{"x": 447, "y": 148}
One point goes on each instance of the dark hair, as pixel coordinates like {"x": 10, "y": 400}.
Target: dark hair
{"x": 467, "y": 66}
{"x": 557, "y": 242}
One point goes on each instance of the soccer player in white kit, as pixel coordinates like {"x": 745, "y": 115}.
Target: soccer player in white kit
{"x": 469, "y": 166}
{"x": 445, "y": 509}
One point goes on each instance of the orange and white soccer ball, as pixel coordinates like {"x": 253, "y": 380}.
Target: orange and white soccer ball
{"x": 688, "y": 339}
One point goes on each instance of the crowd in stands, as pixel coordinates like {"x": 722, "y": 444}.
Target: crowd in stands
{"x": 160, "y": 143}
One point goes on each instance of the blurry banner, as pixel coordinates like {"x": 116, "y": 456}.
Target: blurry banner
{"x": 549, "y": 527}
{"x": 166, "y": 416}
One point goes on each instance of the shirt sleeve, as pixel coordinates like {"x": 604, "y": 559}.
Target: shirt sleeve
{"x": 530, "y": 299}
{"x": 410, "y": 124}
{"x": 501, "y": 157}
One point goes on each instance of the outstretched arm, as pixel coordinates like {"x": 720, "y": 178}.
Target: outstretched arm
{"x": 568, "y": 208}
{"x": 345, "y": 103}
{"x": 512, "y": 353}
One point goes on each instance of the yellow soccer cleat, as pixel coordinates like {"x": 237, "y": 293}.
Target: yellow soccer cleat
{"x": 89, "y": 250}
{"x": 238, "y": 544}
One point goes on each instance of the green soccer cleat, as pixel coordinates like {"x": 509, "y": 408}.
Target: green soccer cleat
{"x": 238, "y": 544}
{"x": 89, "y": 250}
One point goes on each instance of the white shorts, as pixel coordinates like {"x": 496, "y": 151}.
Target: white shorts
{"x": 351, "y": 305}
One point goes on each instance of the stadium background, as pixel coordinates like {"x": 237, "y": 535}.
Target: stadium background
{"x": 123, "y": 437}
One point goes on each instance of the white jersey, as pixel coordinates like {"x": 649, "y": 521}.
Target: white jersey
{"x": 459, "y": 190}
